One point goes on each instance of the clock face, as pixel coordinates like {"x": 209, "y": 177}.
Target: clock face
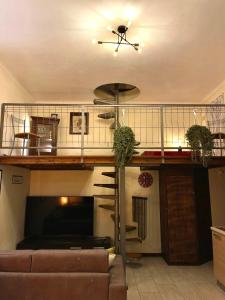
{"x": 145, "y": 179}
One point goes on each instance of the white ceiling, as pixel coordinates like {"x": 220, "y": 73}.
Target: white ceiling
{"x": 47, "y": 46}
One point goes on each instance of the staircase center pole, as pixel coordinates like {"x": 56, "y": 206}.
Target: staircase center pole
{"x": 117, "y": 191}
{"x": 122, "y": 200}
{"x": 82, "y": 134}
{"x": 120, "y": 207}
{"x": 162, "y": 133}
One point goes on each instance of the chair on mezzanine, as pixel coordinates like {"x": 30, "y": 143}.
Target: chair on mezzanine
{"x": 19, "y": 132}
{"x": 219, "y": 141}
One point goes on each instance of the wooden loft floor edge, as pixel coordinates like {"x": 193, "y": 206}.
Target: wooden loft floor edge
{"x": 92, "y": 160}
{"x": 57, "y": 162}
{"x": 88, "y": 162}
{"x": 56, "y": 159}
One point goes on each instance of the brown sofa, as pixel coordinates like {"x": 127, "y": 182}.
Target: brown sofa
{"x": 60, "y": 275}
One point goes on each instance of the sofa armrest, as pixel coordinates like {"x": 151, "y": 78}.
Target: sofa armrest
{"x": 117, "y": 285}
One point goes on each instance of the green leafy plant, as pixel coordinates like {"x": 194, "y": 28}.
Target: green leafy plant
{"x": 123, "y": 146}
{"x": 201, "y": 142}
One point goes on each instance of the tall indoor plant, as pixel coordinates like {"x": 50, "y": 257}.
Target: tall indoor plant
{"x": 123, "y": 146}
{"x": 201, "y": 142}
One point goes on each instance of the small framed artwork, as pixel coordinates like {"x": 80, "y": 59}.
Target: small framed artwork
{"x": 76, "y": 122}
{"x": 17, "y": 179}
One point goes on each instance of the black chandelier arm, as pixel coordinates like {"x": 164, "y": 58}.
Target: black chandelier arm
{"x": 124, "y": 38}
{"x": 116, "y": 43}
{"x": 121, "y": 34}
{"x": 120, "y": 38}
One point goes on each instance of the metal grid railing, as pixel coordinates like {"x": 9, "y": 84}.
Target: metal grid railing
{"x": 73, "y": 129}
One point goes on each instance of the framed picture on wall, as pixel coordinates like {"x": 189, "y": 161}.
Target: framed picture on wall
{"x": 76, "y": 122}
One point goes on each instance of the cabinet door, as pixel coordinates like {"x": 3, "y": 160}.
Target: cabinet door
{"x": 46, "y": 129}
{"x": 182, "y": 227}
{"x": 218, "y": 256}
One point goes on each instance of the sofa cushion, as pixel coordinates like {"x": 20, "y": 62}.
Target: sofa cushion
{"x": 54, "y": 286}
{"x": 57, "y": 261}
{"x": 15, "y": 261}
{"x": 117, "y": 287}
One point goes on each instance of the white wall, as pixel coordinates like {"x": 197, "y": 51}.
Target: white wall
{"x": 82, "y": 183}
{"x": 217, "y": 195}
{"x": 12, "y": 206}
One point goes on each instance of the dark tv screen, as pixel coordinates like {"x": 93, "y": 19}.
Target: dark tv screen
{"x": 59, "y": 215}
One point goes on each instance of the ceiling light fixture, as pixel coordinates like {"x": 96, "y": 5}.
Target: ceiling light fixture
{"x": 121, "y": 39}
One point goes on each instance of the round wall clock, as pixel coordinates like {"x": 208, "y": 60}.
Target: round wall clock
{"x": 145, "y": 179}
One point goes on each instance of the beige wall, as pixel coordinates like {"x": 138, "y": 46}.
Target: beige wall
{"x": 152, "y": 244}
{"x": 214, "y": 94}
{"x": 82, "y": 183}
{"x": 12, "y": 206}
{"x": 217, "y": 195}
{"x": 10, "y": 89}
{"x": 217, "y": 175}
{"x": 12, "y": 197}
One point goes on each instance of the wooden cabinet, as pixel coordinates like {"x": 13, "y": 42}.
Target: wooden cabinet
{"x": 219, "y": 254}
{"x": 47, "y": 130}
{"x": 185, "y": 215}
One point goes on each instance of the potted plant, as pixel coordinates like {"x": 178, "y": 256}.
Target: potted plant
{"x": 201, "y": 142}
{"x": 123, "y": 146}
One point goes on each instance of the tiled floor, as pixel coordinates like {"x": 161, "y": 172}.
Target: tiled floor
{"x": 156, "y": 280}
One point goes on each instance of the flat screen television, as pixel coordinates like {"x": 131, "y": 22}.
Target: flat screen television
{"x": 59, "y": 215}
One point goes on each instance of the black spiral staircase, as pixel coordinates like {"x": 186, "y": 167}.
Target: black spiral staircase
{"x": 112, "y": 206}
{"x": 111, "y": 94}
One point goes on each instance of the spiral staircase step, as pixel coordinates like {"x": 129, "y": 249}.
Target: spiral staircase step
{"x": 104, "y": 101}
{"x": 108, "y": 115}
{"x": 134, "y": 239}
{"x": 136, "y": 152}
{"x": 108, "y": 197}
{"x": 109, "y": 174}
{"x": 130, "y": 228}
{"x": 107, "y": 185}
{"x": 107, "y": 206}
